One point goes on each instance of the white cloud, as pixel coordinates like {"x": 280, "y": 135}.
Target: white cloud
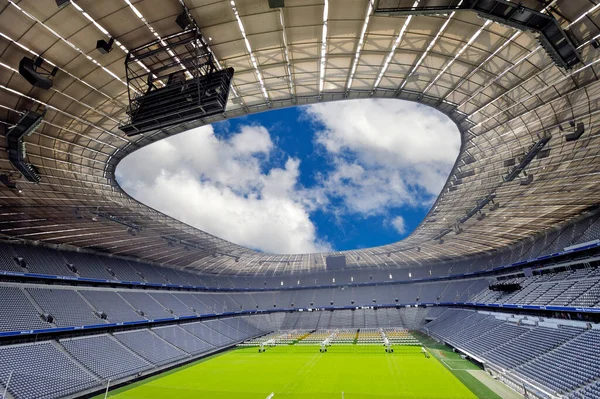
{"x": 384, "y": 153}
{"x": 399, "y": 225}
{"x": 218, "y": 186}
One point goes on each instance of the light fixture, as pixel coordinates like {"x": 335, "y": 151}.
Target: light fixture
{"x": 183, "y": 21}
{"x": 276, "y": 3}
{"x": 105, "y": 47}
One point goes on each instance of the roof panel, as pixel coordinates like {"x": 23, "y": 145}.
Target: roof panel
{"x": 506, "y": 87}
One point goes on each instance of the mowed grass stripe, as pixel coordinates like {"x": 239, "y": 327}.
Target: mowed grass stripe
{"x": 294, "y": 372}
{"x": 458, "y": 366}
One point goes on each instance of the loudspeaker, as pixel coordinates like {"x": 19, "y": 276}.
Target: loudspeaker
{"x": 276, "y": 3}
{"x": 103, "y": 47}
{"x": 576, "y": 134}
{"x": 183, "y": 21}
{"x": 62, "y": 3}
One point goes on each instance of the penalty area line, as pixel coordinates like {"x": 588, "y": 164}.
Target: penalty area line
{"x": 446, "y": 361}
{"x": 271, "y": 395}
{"x": 447, "y": 365}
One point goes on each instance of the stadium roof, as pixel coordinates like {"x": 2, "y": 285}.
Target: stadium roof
{"x": 495, "y": 81}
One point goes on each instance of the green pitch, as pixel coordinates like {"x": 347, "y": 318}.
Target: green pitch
{"x": 301, "y": 372}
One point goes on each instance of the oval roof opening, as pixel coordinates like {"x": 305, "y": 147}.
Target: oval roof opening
{"x": 333, "y": 176}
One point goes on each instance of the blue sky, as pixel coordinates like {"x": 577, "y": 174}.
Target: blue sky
{"x": 332, "y": 176}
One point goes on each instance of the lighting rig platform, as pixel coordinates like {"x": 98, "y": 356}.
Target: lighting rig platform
{"x": 16, "y": 146}
{"x": 173, "y": 80}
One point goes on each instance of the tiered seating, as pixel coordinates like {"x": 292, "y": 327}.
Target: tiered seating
{"x": 553, "y": 292}
{"x": 240, "y": 324}
{"x": 535, "y": 342}
{"x": 266, "y": 322}
{"x": 17, "y": 313}
{"x": 88, "y": 266}
{"x": 575, "y": 363}
{"x": 411, "y": 318}
{"x": 116, "y": 309}
{"x": 182, "y": 339}
{"x": 210, "y": 304}
{"x": 207, "y": 334}
{"x": 192, "y": 302}
{"x": 591, "y": 391}
{"x": 324, "y": 321}
{"x": 226, "y": 303}
{"x": 344, "y": 336}
{"x": 589, "y": 293}
{"x": 44, "y": 261}
{"x": 168, "y": 301}
{"x": 143, "y": 302}
{"x": 308, "y": 320}
{"x": 400, "y": 336}
{"x": 150, "y": 347}
{"x": 567, "y": 288}
{"x": 173, "y": 277}
{"x": 578, "y": 294}
{"x": 257, "y": 341}
{"x": 105, "y": 356}
{"x": 371, "y": 320}
{"x": 502, "y": 334}
{"x": 66, "y": 306}
{"x": 369, "y": 336}
{"x": 122, "y": 269}
{"x": 342, "y": 318}
{"x": 288, "y": 337}
{"x": 454, "y": 291}
{"x": 444, "y": 324}
{"x": 7, "y": 261}
{"x": 394, "y": 319}
{"x": 41, "y": 370}
{"x": 472, "y": 327}
{"x": 559, "y": 358}
{"x": 322, "y": 297}
{"x": 315, "y": 337}
{"x": 148, "y": 273}
{"x": 225, "y": 329}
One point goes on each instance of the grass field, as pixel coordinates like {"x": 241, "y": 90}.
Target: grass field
{"x": 294, "y": 372}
